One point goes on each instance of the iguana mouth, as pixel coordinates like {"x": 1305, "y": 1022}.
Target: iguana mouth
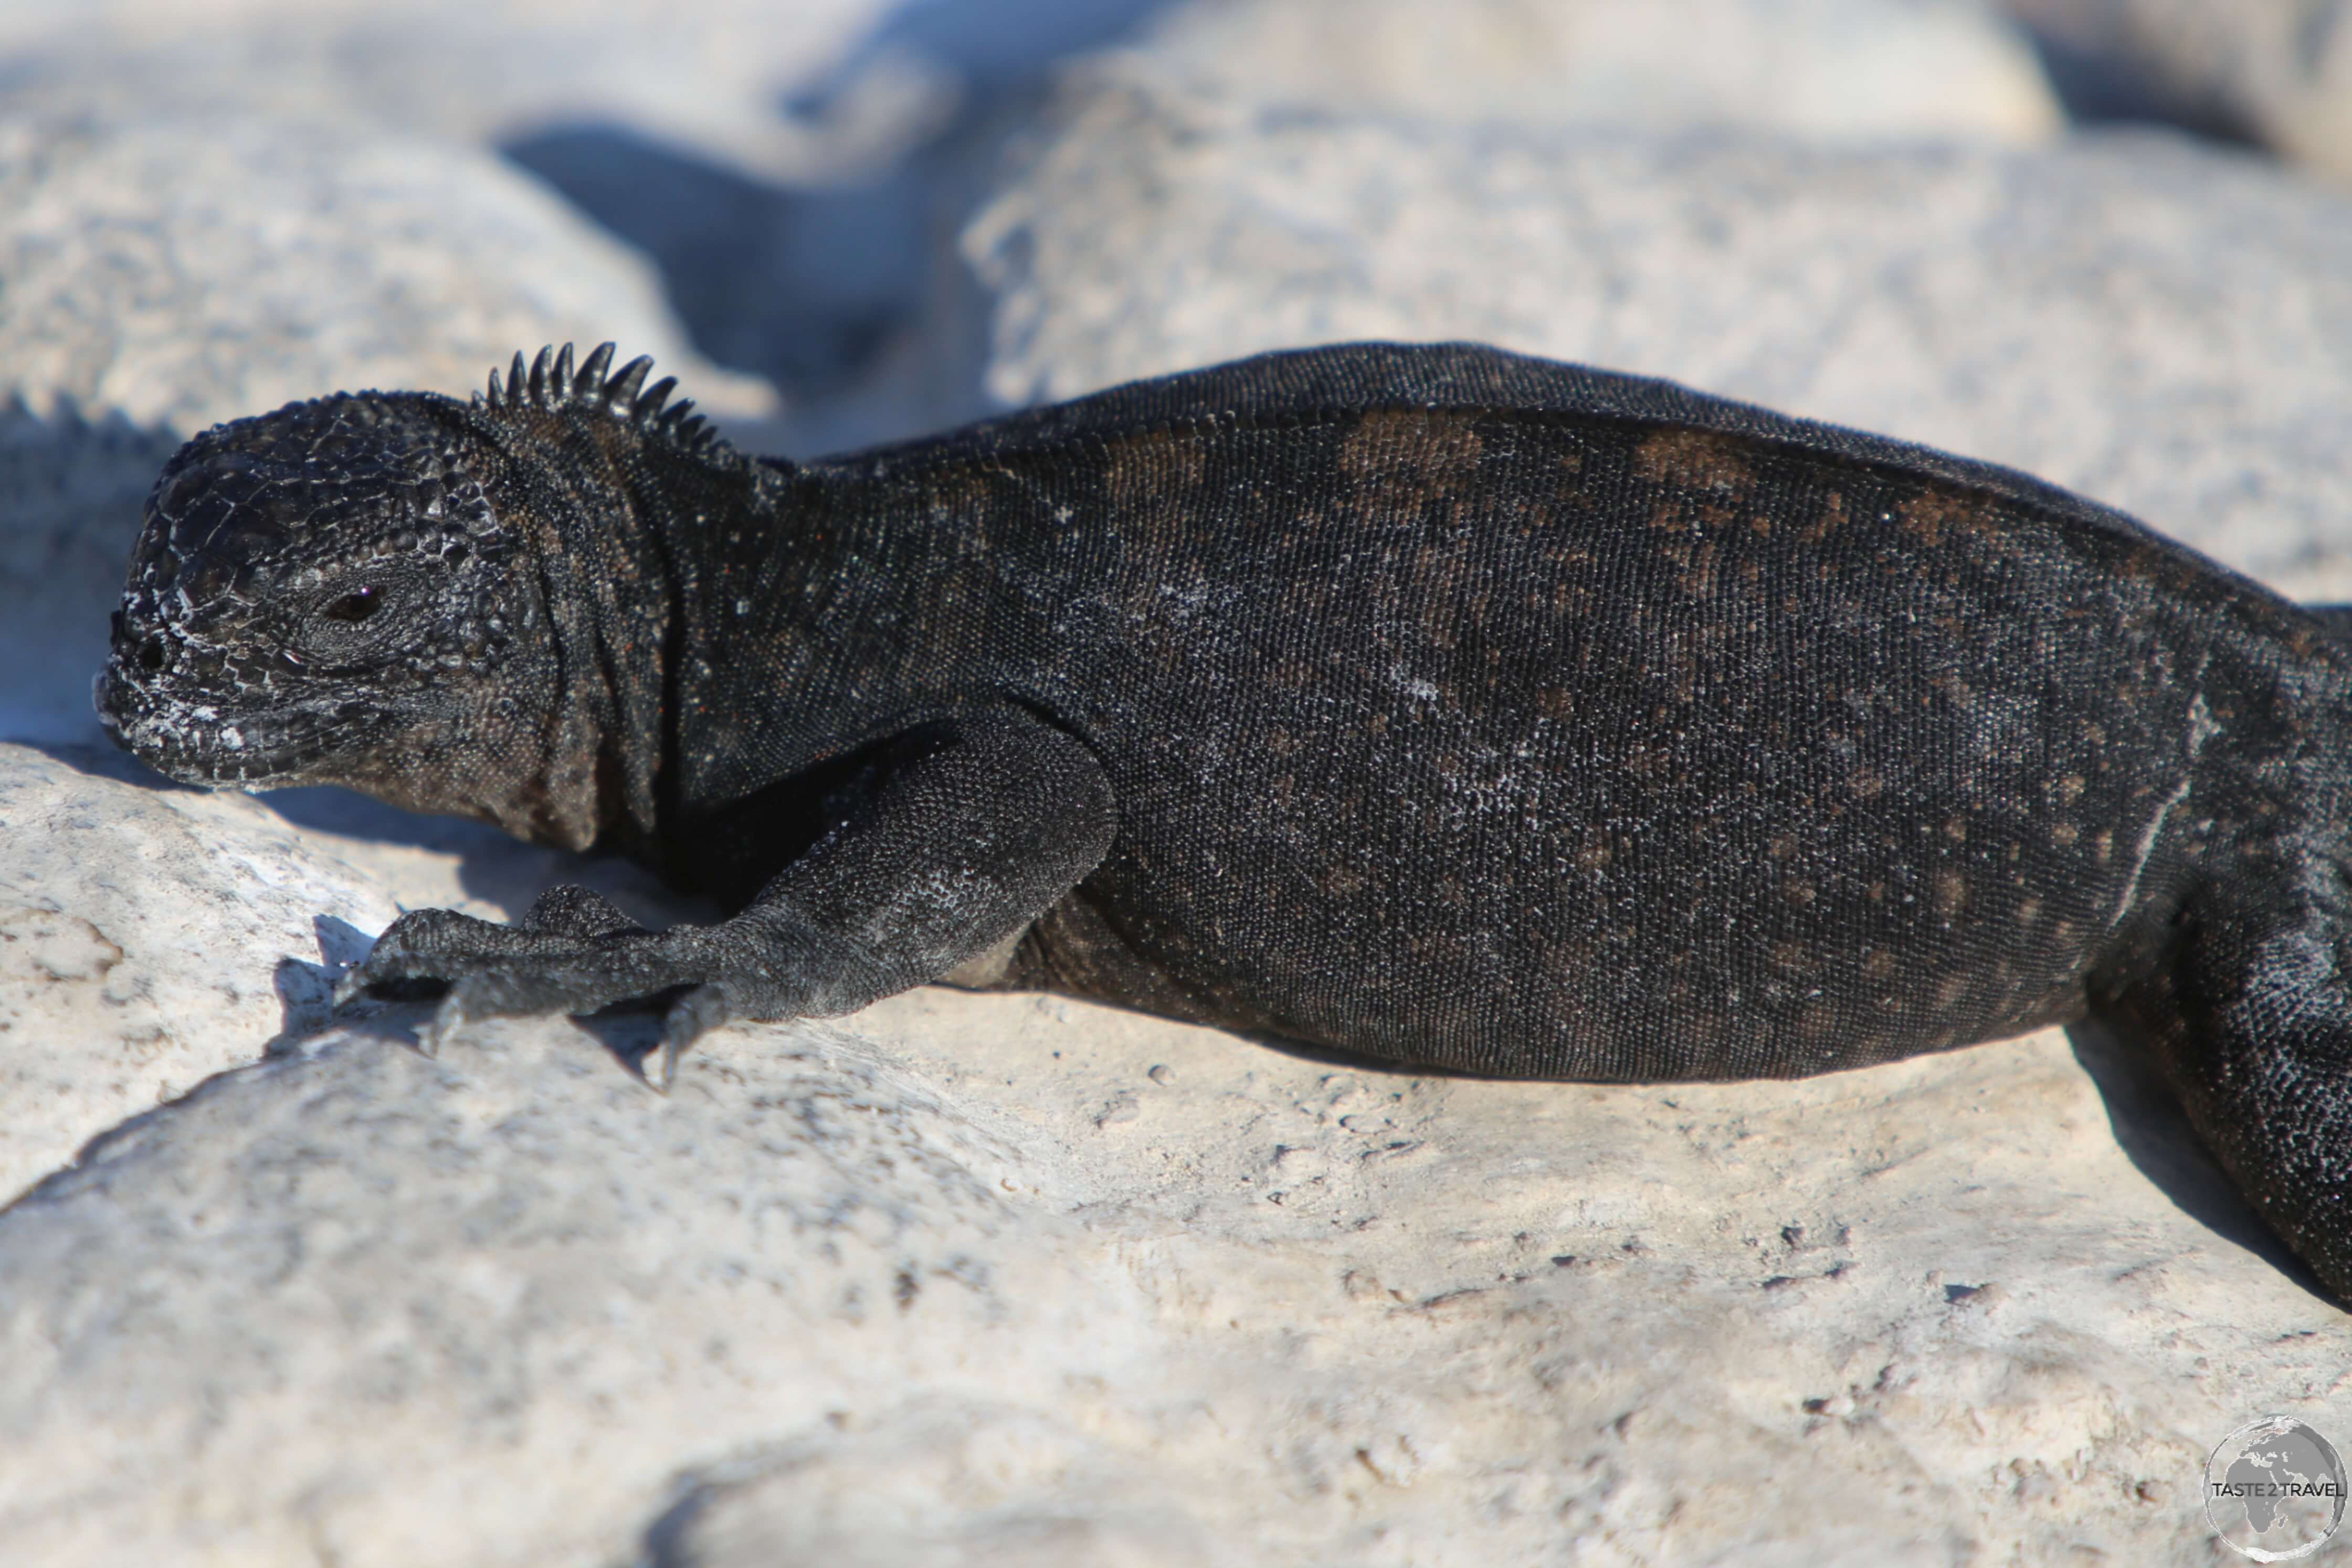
{"x": 198, "y": 743}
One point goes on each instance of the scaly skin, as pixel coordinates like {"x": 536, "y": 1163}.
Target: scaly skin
{"x": 1433, "y": 703}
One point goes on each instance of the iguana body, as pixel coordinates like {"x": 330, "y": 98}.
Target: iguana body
{"x": 1434, "y": 702}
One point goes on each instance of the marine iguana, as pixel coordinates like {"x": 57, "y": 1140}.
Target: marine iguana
{"x": 1430, "y": 702}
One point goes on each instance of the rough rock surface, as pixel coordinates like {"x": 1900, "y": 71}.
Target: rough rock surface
{"x": 1004, "y": 1279}
{"x": 2092, "y": 314}
{"x": 2278, "y": 72}
{"x": 97, "y": 1029}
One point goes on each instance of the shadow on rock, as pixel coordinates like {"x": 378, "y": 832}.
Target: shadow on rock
{"x": 490, "y": 866}
{"x": 102, "y": 760}
{"x": 2155, "y": 1134}
{"x": 71, "y": 486}
{"x": 2096, "y": 87}
{"x": 804, "y": 287}
{"x": 817, "y": 285}
{"x": 306, "y": 992}
{"x": 630, "y": 1032}
{"x": 330, "y": 809}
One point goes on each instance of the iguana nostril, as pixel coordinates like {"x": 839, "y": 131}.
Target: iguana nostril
{"x": 153, "y": 655}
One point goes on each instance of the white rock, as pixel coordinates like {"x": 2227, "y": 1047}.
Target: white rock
{"x": 2094, "y": 314}
{"x": 150, "y": 938}
{"x": 2280, "y": 72}
{"x": 710, "y": 76}
{"x": 182, "y": 271}
{"x": 892, "y": 1294}
{"x": 1845, "y": 69}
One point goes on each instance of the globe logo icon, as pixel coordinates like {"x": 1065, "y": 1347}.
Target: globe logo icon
{"x": 2275, "y": 1490}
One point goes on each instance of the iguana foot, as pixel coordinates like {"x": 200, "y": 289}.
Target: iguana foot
{"x": 442, "y": 944}
{"x": 575, "y": 952}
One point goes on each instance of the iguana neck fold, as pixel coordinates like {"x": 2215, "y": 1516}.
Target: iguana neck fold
{"x": 620, "y": 524}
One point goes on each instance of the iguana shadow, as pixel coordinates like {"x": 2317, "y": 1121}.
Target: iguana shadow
{"x": 2154, "y": 1135}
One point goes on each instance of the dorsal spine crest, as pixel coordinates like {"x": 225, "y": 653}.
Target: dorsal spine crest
{"x": 550, "y": 382}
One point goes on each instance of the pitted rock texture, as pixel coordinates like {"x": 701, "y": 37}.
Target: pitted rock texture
{"x": 94, "y": 1028}
{"x": 908, "y": 1293}
{"x": 152, "y": 937}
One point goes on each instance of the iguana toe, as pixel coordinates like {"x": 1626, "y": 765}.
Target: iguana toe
{"x": 693, "y": 1015}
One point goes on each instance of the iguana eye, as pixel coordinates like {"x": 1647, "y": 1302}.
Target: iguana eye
{"x": 355, "y": 606}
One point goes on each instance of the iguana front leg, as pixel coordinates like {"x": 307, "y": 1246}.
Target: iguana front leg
{"x": 980, "y": 824}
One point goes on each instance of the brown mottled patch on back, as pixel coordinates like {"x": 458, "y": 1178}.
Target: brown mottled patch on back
{"x": 1342, "y": 882}
{"x": 1695, "y": 460}
{"x": 1413, "y": 454}
{"x": 1826, "y": 521}
{"x": 1932, "y": 513}
{"x": 1951, "y": 894}
{"x": 1154, "y": 468}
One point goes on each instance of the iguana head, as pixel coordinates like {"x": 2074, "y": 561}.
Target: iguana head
{"x": 358, "y": 590}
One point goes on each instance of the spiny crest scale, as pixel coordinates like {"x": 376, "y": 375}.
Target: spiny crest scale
{"x": 551, "y": 381}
